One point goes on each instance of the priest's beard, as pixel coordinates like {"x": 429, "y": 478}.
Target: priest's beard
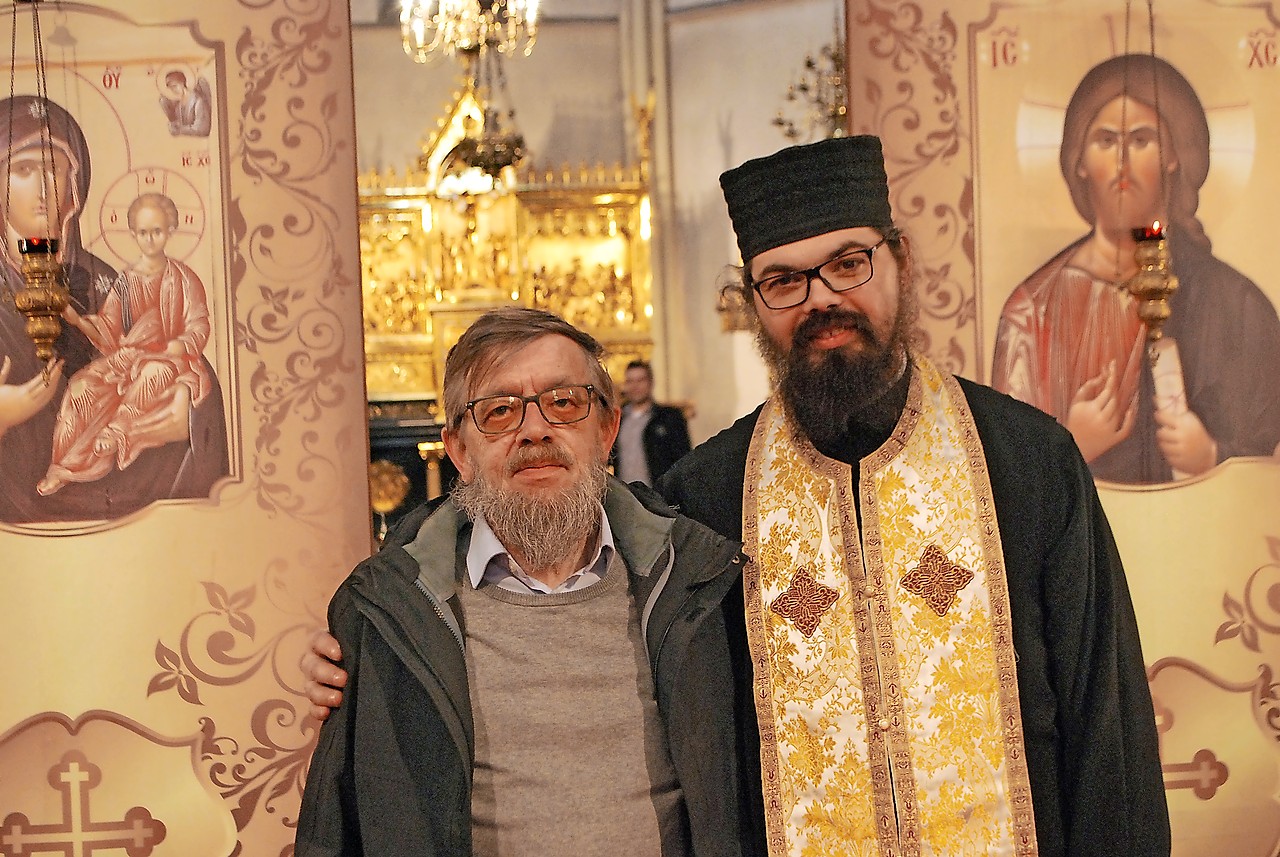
{"x": 825, "y": 392}
{"x": 543, "y": 527}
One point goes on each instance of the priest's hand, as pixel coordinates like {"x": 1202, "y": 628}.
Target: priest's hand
{"x": 1097, "y": 419}
{"x": 1185, "y": 442}
{"x": 324, "y": 677}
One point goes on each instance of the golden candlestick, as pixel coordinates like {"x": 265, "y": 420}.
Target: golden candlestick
{"x": 431, "y": 452}
{"x": 1154, "y": 282}
{"x": 44, "y": 296}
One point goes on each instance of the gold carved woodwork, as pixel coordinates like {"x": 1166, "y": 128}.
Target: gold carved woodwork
{"x": 388, "y": 486}
{"x": 432, "y": 452}
{"x": 434, "y": 256}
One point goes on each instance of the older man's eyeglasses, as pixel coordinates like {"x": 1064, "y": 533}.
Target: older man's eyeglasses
{"x": 559, "y": 406}
{"x": 847, "y": 271}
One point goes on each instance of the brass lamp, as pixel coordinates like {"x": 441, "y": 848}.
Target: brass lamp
{"x": 388, "y": 486}
{"x": 1154, "y": 282}
{"x": 44, "y": 295}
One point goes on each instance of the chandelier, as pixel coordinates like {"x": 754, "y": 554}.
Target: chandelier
{"x": 820, "y": 97}
{"x": 429, "y": 27}
{"x": 480, "y": 162}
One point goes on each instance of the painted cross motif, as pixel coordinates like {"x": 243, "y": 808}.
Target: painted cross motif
{"x": 936, "y": 579}
{"x": 804, "y": 602}
{"x": 76, "y": 835}
{"x": 1204, "y": 774}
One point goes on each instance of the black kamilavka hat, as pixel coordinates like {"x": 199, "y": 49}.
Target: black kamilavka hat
{"x": 809, "y": 190}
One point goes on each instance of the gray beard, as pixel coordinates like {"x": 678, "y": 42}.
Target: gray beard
{"x": 825, "y": 399}
{"x": 545, "y": 529}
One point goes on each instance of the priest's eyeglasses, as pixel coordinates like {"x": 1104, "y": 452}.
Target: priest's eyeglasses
{"x": 849, "y": 270}
{"x": 560, "y": 406}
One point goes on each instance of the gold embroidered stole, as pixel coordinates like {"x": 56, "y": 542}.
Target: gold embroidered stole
{"x": 884, "y": 667}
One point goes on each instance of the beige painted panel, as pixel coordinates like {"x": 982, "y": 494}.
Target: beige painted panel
{"x": 1203, "y": 562}
{"x": 969, "y": 98}
{"x": 152, "y": 659}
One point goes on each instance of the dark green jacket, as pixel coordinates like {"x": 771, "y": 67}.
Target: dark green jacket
{"x": 391, "y": 774}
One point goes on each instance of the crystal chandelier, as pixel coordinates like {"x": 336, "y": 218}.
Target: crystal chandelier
{"x": 429, "y": 27}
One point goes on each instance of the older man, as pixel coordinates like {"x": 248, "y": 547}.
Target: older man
{"x": 539, "y": 664}
{"x": 944, "y": 654}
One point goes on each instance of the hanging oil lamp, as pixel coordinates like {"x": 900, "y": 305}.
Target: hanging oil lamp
{"x": 44, "y": 294}
{"x": 1154, "y": 282}
{"x": 388, "y": 486}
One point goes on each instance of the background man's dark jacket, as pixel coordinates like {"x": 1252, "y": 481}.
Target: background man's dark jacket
{"x": 665, "y": 438}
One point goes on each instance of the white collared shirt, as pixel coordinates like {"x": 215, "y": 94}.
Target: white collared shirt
{"x": 632, "y": 465}
{"x": 489, "y": 563}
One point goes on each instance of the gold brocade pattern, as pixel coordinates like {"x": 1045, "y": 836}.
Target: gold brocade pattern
{"x": 892, "y": 728}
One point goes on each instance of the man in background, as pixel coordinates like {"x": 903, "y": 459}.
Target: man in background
{"x": 652, "y": 437}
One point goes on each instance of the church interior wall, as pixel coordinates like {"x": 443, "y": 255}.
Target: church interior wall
{"x": 151, "y": 681}
{"x": 970, "y": 101}
{"x": 163, "y": 648}
{"x": 566, "y": 116}
{"x": 965, "y": 156}
{"x": 730, "y": 68}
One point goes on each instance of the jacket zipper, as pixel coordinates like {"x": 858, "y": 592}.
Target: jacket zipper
{"x": 436, "y": 606}
{"x": 656, "y": 593}
{"x": 689, "y": 596}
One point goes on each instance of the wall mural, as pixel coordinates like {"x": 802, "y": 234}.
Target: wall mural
{"x": 1015, "y": 164}
{"x": 182, "y": 491}
{"x": 1135, "y": 151}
